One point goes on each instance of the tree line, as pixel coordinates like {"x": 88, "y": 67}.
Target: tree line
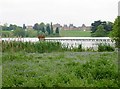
{"x": 38, "y": 29}
{"x": 46, "y": 30}
{"x": 103, "y": 29}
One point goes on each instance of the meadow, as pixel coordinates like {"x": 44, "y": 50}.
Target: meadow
{"x": 62, "y": 33}
{"x": 47, "y": 64}
{"x": 75, "y": 33}
{"x": 60, "y": 69}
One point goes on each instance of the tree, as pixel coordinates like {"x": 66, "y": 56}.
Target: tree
{"x": 31, "y": 33}
{"x": 5, "y": 27}
{"x": 36, "y": 26}
{"x": 42, "y": 27}
{"x": 51, "y": 28}
{"x": 107, "y": 26}
{"x": 115, "y": 33}
{"x": 48, "y": 29}
{"x": 13, "y": 27}
{"x": 24, "y": 27}
{"x": 57, "y": 30}
{"x": 19, "y": 32}
{"x": 95, "y": 25}
{"x": 100, "y": 32}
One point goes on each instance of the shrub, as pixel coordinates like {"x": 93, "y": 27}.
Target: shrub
{"x": 105, "y": 47}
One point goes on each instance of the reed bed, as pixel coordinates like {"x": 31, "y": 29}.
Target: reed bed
{"x": 40, "y": 47}
{"x": 30, "y": 47}
{"x": 48, "y": 46}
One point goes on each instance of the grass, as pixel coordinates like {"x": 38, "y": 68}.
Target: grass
{"x": 6, "y": 33}
{"x": 75, "y": 33}
{"x": 60, "y": 69}
{"x": 44, "y": 46}
{"x": 63, "y": 33}
{"x": 38, "y": 47}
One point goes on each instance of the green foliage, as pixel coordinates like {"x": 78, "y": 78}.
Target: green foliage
{"x": 48, "y": 29}
{"x": 7, "y": 34}
{"x": 31, "y": 33}
{"x": 42, "y": 27}
{"x": 101, "y": 28}
{"x": 44, "y": 46}
{"x": 100, "y": 32}
{"x": 19, "y": 32}
{"x": 115, "y": 33}
{"x": 105, "y": 47}
{"x": 5, "y": 27}
{"x": 58, "y": 69}
{"x": 45, "y": 29}
{"x": 12, "y": 27}
{"x": 39, "y": 47}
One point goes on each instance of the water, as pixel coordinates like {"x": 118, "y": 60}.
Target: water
{"x": 87, "y": 42}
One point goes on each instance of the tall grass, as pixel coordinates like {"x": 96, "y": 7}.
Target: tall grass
{"x": 105, "y": 47}
{"x": 30, "y": 47}
{"x": 44, "y": 46}
{"x": 40, "y": 47}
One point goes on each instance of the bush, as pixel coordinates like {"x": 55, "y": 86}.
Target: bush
{"x": 105, "y": 47}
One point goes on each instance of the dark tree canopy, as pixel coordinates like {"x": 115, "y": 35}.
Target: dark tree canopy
{"x": 48, "y": 29}
{"x": 95, "y": 25}
{"x": 51, "y": 28}
{"x": 24, "y": 27}
{"x": 42, "y": 27}
{"x": 57, "y": 30}
{"x": 36, "y": 26}
{"x": 107, "y": 27}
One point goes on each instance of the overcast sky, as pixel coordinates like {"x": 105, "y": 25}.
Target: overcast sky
{"x": 75, "y": 12}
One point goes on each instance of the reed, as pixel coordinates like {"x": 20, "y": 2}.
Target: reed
{"x": 105, "y": 47}
{"x": 45, "y": 46}
{"x": 30, "y": 47}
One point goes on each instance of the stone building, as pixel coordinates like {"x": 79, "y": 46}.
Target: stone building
{"x": 72, "y": 27}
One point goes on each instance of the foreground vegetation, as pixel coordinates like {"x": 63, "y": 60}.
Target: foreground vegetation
{"x": 48, "y": 46}
{"x": 50, "y": 64}
{"x": 37, "y": 47}
{"x": 60, "y": 69}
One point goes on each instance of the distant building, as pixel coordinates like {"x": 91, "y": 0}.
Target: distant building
{"x": 85, "y": 28}
{"x": 65, "y": 27}
{"x": 72, "y": 27}
{"x": 57, "y": 25}
{"x": 29, "y": 27}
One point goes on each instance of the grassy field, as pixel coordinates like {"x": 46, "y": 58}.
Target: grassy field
{"x": 64, "y": 33}
{"x": 60, "y": 69}
{"x": 75, "y": 33}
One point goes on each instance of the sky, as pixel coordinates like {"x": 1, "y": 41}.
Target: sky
{"x": 76, "y": 12}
